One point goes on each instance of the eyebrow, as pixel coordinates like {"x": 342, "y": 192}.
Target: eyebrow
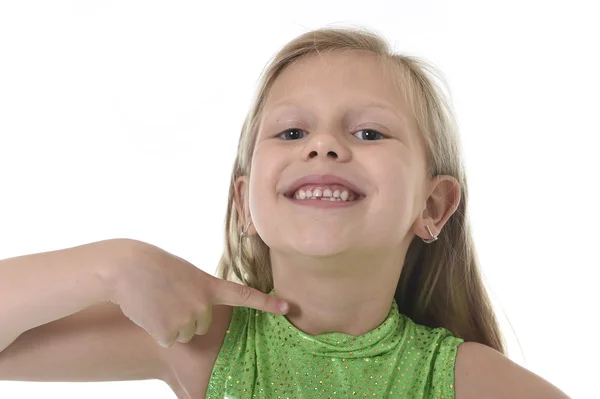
{"x": 368, "y": 104}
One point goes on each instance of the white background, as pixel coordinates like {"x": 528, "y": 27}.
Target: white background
{"x": 121, "y": 119}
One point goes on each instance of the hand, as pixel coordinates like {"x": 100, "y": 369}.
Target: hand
{"x": 172, "y": 299}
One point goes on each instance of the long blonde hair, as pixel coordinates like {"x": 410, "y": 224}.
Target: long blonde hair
{"x": 440, "y": 283}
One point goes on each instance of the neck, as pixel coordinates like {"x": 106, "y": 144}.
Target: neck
{"x": 350, "y": 293}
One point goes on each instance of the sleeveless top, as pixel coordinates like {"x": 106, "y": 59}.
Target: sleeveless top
{"x": 265, "y": 356}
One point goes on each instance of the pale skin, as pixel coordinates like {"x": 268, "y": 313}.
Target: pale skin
{"x": 337, "y": 269}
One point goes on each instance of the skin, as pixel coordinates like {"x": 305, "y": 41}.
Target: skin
{"x": 338, "y": 268}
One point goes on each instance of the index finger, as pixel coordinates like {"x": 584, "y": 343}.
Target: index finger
{"x": 233, "y": 294}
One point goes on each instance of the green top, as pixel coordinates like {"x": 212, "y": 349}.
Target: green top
{"x": 265, "y": 356}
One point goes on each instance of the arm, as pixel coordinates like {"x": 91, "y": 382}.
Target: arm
{"x": 40, "y": 288}
{"x": 58, "y": 324}
{"x": 482, "y": 372}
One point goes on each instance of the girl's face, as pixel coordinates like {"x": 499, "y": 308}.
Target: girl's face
{"x": 350, "y": 132}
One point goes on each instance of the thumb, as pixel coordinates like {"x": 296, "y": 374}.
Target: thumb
{"x": 233, "y": 294}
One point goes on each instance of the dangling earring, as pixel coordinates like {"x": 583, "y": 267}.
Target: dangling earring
{"x": 432, "y": 239}
{"x": 243, "y": 234}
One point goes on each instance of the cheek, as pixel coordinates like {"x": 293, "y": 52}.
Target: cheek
{"x": 392, "y": 176}
{"x": 266, "y": 165}
{"x": 392, "y": 206}
{"x": 262, "y": 192}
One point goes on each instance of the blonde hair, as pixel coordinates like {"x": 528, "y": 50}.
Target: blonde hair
{"x": 440, "y": 283}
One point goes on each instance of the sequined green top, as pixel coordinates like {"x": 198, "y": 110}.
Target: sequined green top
{"x": 265, "y": 356}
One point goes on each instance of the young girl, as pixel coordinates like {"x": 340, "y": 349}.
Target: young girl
{"x": 347, "y": 204}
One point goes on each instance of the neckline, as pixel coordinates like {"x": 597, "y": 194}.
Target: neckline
{"x": 377, "y": 341}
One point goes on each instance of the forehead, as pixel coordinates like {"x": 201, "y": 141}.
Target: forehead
{"x": 336, "y": 77}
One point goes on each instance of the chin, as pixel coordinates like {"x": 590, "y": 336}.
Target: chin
{"x": 318, "y": 252}
{"x": 320, "y": 247}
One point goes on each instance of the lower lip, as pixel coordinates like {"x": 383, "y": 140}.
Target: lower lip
{"x": 317, "y": 203}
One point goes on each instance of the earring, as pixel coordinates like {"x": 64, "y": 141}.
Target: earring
{"x": 432, "y": 239}
{"x": 244, "y": 232}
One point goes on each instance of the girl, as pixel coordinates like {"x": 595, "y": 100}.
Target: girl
{"x": 348, "y": 201}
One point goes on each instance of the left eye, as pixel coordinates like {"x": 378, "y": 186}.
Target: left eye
{"x": 292, "y": 134}
{"x": 368, "y": 134}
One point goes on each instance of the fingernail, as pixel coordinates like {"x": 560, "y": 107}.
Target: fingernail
{"x": 284, "y": 307}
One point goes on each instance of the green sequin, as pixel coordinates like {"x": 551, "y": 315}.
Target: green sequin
{"x": 265, "y": 356}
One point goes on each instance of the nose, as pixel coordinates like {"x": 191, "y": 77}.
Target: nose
{"x": 327, "y": 146}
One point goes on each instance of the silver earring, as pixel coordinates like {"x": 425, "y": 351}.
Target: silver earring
{"x": 432, "y": 239}
{"x": 244, "y": 232}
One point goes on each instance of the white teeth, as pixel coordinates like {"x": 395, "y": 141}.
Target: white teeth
{"x": 325, "y": 195}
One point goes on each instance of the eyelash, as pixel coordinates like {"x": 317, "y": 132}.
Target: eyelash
{"x": 381, "y": 135}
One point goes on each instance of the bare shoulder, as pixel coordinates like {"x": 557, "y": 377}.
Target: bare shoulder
{"x": 483, "y": 372}
{"x": 190, "y": 364}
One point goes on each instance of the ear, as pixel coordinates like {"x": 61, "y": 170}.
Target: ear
{"x": 242, "y": 204}
{"x": 442, "y": 202}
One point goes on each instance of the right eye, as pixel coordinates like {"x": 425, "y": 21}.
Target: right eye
{"x": 292, "y": 134}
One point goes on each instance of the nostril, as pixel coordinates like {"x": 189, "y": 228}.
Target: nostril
{"x": 332, "y": 154}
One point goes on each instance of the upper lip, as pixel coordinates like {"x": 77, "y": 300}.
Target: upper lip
{"x": 322, "y": 179}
